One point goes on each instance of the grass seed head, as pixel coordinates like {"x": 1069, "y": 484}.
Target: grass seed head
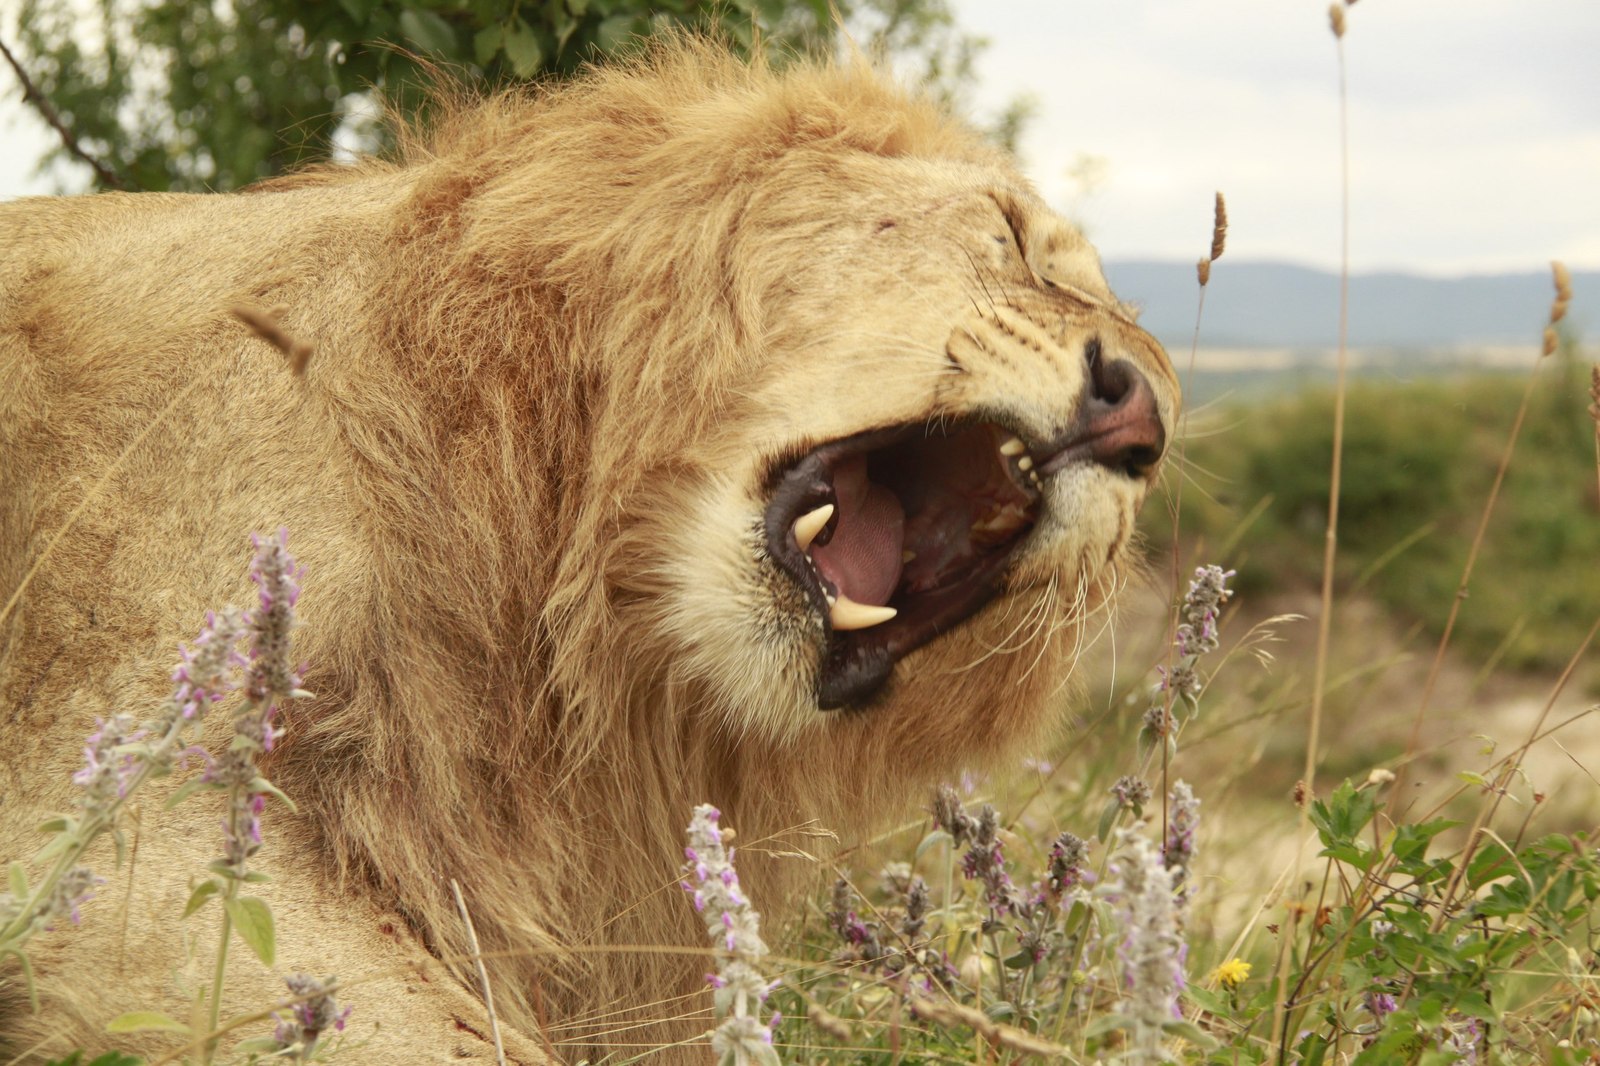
{"x": 1336, "y": 19}
{"x": 1563, "y": 280}
{"x": 1219, "y": 228}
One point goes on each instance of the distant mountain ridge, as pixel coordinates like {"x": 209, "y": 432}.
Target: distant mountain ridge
{"x": 1280, "y": 305}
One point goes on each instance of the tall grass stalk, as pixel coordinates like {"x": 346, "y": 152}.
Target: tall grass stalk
{"x": 1219, "y": 244}
{"x": 1557, "y": 312}
{"x": 1281, "y": 1013}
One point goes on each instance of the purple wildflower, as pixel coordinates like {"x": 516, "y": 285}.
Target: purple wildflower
{"x": 1065, "y": 871}
{"x": 305, "y": 1022}
{"x": 1197, "y": 636}
{"x": 1152, "y": 950}
{"x": 735, "y": 929}
{"x": 1183, "y": 817}
{"x": 1462, "y": 1036}
{"x": 1132, "y": 793}
{"x": 75, "y": 888}
{"x": 1380, "y": 1005}
{"x": 107, "y": 768}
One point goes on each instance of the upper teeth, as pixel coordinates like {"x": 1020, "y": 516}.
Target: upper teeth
{"x": 808, "y": 525}
{"x": 1013, "y": 446}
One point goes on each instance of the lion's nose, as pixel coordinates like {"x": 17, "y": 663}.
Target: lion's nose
{"x": 1119, "y": 423}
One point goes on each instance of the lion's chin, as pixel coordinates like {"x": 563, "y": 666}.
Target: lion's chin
{"x": 897, "y": 535}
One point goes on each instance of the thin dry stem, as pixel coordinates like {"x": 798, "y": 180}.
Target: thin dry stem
{"x": 94, "y": 494}
{"x": 1331, "y": 537}
{"x": 483, "y": 973}
{"x": 1594, "y": 414}
{"x": 1563, "y": 284}
{"x": 997, "y": 1035}
{"x": 265, "y": 325}
{"x": 1219, "y": 229}
{"x": 47, "y": 111}
{"x": 1503, "y": 781}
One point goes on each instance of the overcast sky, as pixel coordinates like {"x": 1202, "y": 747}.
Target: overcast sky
{"x": 1475, "y": 126}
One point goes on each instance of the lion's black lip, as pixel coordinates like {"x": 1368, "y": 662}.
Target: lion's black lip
{"x": 953, "y": 484}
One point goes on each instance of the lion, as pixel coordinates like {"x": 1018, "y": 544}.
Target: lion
{"x": 691, "y": 432}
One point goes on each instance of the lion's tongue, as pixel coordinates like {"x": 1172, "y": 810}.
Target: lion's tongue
{"x": 863, "y": 558}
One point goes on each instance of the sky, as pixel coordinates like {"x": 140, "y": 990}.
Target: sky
{"x": 1474, "y": 126}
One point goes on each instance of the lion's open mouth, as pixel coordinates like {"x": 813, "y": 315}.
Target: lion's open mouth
{"x": 897, "y": 535}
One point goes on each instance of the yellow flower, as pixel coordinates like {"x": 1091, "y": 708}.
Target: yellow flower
{"x": 1231, "y": 974}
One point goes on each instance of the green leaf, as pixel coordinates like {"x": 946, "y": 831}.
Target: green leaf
{"x": 1106, "y": 1023}
{"x": 618, "y": 30}
{"x": 1411, "y": 841}
{"x": 202, "y": 892}
{"x": 578, "y": 7}
{"x": 1191, "y": 1032}
{"x": 27, "y": 974}
{"x": 428, "y": 32}
{"x": 1207, "y": 1000}
{"x": 1107, "y": 818}
{"x": 267, "y": 788}
{"x": 142, "y": 1021}
{"x": 938, "y": 836}
{"x": 1346, "y": 813}
{"x": 522, "y": 48}
{"x": 486, "y": 43}
{"x": 184, "y": 791}
{"x": 19, "y": 882}
{"x": 58, "y": 824}
{"x": 252, "y": 920}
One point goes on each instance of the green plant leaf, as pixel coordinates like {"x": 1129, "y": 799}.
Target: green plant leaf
{"x": 59, "y": 824}
{"x": 202, "y": 892}
{"x": 938, "y": 836}
{"x": 522, "y": 48}
{"x": 19, "y": 881}
{"x": 142, "y": 1021}
{"x": 27, "y": 974}
{"x": 184, "y": 791}
{"x": 262, "y": 785}
{"x": 428, "y": 32}
{"x": 486, "y": 43}
{"x": 252, "y": 920}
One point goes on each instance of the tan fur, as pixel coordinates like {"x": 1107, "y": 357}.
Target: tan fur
{"x": 559, "y": 347}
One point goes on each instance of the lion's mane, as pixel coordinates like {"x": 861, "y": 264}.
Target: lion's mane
{"x": 530, "y": 332}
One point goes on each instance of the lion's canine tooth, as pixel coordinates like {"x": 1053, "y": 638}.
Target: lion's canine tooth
{"x": 808, "y": 525}
{"x": 1025, "y": 463}
{"x": 848, "y": 614}
{"x": 1013, "y": 446}
{"x": 906, "y": 556}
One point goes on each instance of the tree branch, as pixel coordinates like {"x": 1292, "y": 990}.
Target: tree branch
{"x": 32, "y": 95}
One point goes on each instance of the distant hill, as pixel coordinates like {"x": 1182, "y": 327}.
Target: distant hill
{"x": 1278, "y": 305}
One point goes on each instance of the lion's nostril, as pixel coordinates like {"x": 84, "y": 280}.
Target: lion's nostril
{"x": 1108, "y": 382}
{"x": 1119, "y": 423}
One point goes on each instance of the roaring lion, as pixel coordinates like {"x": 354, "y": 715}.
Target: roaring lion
{"x": 692, "y": 432}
